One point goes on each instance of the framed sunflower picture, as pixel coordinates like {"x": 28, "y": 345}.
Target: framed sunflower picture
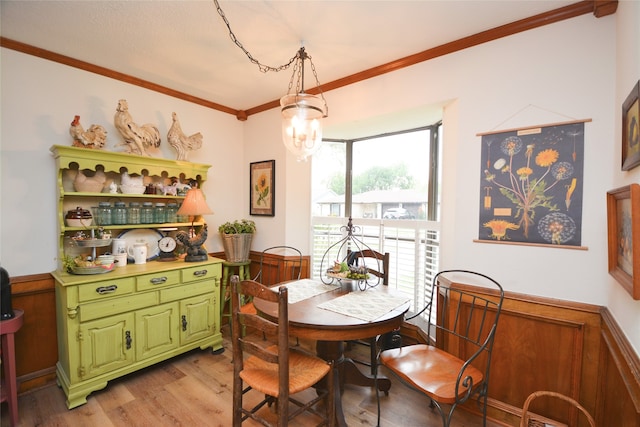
{"x": 262, "y": 179}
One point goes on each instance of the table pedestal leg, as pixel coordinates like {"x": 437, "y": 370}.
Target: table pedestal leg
{"x": 348, "y": 373}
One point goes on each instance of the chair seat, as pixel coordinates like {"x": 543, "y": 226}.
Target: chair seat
{"x": 429, "y": 369}
{"x": 304, "y": 372}
{"x": 248, "y": 308}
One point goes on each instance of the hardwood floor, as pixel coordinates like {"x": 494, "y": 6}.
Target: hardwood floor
{"x": 195, "y": 390}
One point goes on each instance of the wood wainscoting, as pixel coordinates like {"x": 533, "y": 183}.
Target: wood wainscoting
{"x": 567, "y": 347}
{"x": 271, "y": 263}
{"x": 36, "y": 342}
{"x": 541, "y": 344}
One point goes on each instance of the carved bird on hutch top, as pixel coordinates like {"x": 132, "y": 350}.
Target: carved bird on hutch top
{"x": 94, "y": 137}
{"x": 136, "y": 138}
{"x": 181, "y": 142}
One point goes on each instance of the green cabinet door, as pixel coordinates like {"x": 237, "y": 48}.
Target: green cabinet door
{"x": 105, "y": 345}
{"x": 156, "y": 330}
{"x": 197, "y": 318}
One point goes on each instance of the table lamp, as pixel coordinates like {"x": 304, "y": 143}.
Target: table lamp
{"x": 194, "y": 205}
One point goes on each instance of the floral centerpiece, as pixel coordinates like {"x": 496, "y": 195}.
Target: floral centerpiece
{"x": 236, "y": 239}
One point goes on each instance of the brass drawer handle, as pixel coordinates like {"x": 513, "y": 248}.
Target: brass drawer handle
{"x": 106, "y": 289}
{"x": 200, "y": 273}
{"x": 158, "y": 280}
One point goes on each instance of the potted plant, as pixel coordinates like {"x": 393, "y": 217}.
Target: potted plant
{"x": 236, "y": 239}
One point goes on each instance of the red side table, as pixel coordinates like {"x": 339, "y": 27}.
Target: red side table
{"x": 9, "y": 390}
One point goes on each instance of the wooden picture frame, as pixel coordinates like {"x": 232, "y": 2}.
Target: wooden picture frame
{"x": 631, "y": 129}
{"x": 623, "y": 221}
{"x": 262, "y": 190}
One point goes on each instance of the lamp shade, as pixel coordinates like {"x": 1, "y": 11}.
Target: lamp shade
{"x": 194, "y": 204}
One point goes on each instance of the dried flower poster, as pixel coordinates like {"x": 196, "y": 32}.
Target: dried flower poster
{"x": 531, "y": 185}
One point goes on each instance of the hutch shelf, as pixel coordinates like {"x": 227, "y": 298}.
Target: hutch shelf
{"x": 118, "y": 322}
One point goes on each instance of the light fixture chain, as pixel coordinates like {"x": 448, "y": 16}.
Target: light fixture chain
{"x": 295, "y": 68}
{"x": 263, "y": 68}
{"x": 313, "y": 69}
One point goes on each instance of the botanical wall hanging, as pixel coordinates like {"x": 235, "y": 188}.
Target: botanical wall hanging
{"x": 531, "y": 185}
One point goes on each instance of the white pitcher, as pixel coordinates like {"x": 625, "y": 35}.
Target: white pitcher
{"x": 139, "y": 252}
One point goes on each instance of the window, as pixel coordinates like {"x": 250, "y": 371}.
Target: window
{"x": 389, "y": 185}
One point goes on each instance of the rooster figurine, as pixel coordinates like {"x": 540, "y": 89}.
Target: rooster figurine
{"x": 181, "y": 142}
{"x": 94, "y": 137}
{"x": 195, "y": 251}
{"x": 136, "y": 138}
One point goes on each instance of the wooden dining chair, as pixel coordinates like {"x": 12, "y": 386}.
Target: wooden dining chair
{"x": 454, "y": 367}
{"x": 377, "y": 265}
{"x": 274, "y": 270}
{"x": 532, "y": 420}
{"x": 271, "y": 368}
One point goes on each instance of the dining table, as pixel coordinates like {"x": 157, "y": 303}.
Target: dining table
{"x": 337, "y": 312}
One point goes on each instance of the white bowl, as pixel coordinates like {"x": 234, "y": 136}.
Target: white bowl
{"x": 132, "y": 189}
{"x": 105, "y": 260}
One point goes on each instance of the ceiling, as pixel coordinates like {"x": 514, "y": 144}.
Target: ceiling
{"x": 185, "y": 45}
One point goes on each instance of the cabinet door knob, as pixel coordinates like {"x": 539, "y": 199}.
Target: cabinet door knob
{"x": 127, "y": 338}
{"x": 106, "y": 289}
{"x": 184, "y": 322}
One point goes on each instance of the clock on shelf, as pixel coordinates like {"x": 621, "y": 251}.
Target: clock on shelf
{"x": 167, "y": 246}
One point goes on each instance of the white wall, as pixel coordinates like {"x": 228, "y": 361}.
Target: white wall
{"x": 564, "y": 71}
{"x": 625, "y": 310}
{"x": 39, "y": 101}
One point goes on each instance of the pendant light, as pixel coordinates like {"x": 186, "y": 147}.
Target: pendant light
{"x": 302, "y": 113}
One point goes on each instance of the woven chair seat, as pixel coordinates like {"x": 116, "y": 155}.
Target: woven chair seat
{"x": 248, "y": 308}
{"x": 429, "y": 369}
{"x": 304, "y": 372}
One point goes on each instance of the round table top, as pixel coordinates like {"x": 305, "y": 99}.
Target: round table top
{"x": 307, "y": 320}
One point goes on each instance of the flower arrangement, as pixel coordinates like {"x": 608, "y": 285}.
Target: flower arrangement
{"x": 243, "y": 226}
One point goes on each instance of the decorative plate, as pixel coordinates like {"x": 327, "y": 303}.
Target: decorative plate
{"x": 146, "y": 235}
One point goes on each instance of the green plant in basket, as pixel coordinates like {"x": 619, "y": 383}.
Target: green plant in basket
{"x": 243, "y": 226}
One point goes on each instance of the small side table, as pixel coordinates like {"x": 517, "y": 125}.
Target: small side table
{"x": 9, "y": 390}
{"x": 228, "y": 270}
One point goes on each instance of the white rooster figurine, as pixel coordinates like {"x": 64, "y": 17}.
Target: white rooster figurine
{"x": 181, "y": 142}
{"x": 94, "y": 137}
{"x": 136, "y": 138}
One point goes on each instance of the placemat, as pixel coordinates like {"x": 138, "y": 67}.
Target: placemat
{"x": 364, "y": 305}
{"x": 306, "y": 288}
